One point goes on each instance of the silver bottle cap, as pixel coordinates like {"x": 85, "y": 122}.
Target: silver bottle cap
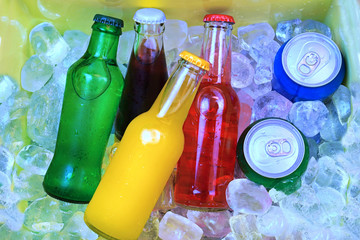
{"x": 149, "y": 16}
{"x": 274, "y": 148}
{"x": 311, "y": 59}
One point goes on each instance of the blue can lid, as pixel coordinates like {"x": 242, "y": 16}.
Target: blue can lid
{"x": 311, "y": 59}
{"x": 149, "y": 16}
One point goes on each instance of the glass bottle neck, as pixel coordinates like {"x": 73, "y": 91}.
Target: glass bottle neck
{"x": 104, "y": 41}
{"x": 216, "y": 49}
{"x": 148, "y": 42}
{"x": 174, "y": 101}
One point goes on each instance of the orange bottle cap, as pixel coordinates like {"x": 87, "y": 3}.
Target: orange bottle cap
{"x": 197, "y": 61}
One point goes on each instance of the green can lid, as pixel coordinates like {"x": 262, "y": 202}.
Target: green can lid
{"x": 116, "y": 22}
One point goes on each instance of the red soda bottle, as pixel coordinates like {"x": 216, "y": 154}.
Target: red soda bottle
{"x": 207, "y": 163}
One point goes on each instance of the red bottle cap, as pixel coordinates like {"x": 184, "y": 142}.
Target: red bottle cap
{"x": 218, "y": 18}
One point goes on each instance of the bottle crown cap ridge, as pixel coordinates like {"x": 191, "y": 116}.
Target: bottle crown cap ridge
{"x": 149, "y": 16}
{"x": 116, "y": 22}
{"x": 197, "y": 61}
{"x": 219, "y": 18}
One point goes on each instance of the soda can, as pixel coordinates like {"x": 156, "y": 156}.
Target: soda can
{"x": 309, "y": 66}
{"x": 274, "y": 153}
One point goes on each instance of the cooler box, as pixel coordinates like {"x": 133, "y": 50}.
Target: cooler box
{"x": 18, "y": 17}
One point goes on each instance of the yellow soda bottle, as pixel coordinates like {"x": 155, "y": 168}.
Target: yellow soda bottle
{"x": 145, "y": 157}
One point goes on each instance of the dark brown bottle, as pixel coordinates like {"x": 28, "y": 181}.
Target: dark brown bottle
{"x": 147, "y": 72}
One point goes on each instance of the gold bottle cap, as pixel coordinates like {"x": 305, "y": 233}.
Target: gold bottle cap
{"x": 197, "y": 61}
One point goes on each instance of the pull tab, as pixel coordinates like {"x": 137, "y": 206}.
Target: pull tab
{"x": 308, "y": 64}
{"x": 279, "y": 148}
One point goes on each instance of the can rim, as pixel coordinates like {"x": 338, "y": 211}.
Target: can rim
{"x": 286, "y": 125}
{"x": 312, "y": 36}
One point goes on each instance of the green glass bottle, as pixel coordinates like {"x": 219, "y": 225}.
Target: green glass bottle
{"x": 93, "y": 90}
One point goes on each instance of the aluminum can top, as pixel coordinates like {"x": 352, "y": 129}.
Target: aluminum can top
{"x": 274, "y": 148}
{"x": 311, "y": 59}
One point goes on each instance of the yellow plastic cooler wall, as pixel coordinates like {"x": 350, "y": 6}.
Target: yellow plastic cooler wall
{"x": 18, "y": 17}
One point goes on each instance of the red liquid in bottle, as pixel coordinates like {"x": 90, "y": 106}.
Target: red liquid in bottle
{"x": 145, "y": 77}
{"x": 211, "y": 130}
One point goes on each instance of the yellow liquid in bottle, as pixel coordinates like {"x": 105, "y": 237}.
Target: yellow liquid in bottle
{"x": 145, "y": 158}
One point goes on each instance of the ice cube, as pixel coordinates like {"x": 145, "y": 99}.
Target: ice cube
{"x": 333, "y": 130}
{"x": 312, "y": 26}
{"x": 276, "y": 195}
{"x": 27, "y": 185}
{"x": 305, "y": 203}
{"x": 151, "y": 229}
{"x": 311, "y": 171}
{"x": 332, "y": 202}
{"x": 54, "y": 235}
{"x": 243, "y": 226}
{"x": 73, "y": 55}
{"x": 288, "y": 29}
{"x": 35, "y": 73}
{"x": 34, "y": 159}
{"x": 351, "y": 216}
{"x": 44, "y": 114}
{"x": 312, "y": 232}
{"x": 59, "y": 77}
{"x": 172, "y": 58}
{"x": 43, "y": 215}
{"x": 256, "y": 91}
{"x": 330, "y": 148}
{"x": 235, "y": 44}
{"x": 342, "y": 102}
{"x": 264, "y": 47}
{"x": 125, "y": 47}
{"x": 76, "y": 227}
{"x": 12, "y": 217}
{"x": 332, "y": 175}
{"x": 194, "y": 40}
{"x": 14, "y": 107}
{"x": 8, "y": 234}
{"x": 48, "y": 44}
{"x": 242, "y": 72}
{"x": 176, "y": 227}
{"x": 272, "y": 223}
{"x": 351, "y": 136}
{"x": 263, "y": 71}
{"x": 76, "y": 38}
{"x": 180, "y": 211}
{"x": 354, "y": 186}
{"x": 68, "y": 209}
{"x": 195, "y": 34}
{"x": 285, "y": 29}
{"x": 245, "y": 117}
{"x": 6, "y": 161}
{"x": 6, "y": 196}
{"x": 309, "y": 116}
{"x": 230, "y": 236}
{"x": 248, "y": 34}
{"x": 340, "y": 233}
{"x": 175, "y": 33}
{"x": 214, "y": 224}
{"x": 8, "y": 86}
{"x": 244, "y": 196}
{"x": 271, "y": 104}
{"x": 14, "y": 136}
{"x": 313, "y": 147}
